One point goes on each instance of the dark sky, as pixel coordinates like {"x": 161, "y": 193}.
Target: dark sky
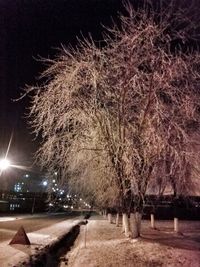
{"x": 33, "y": 28}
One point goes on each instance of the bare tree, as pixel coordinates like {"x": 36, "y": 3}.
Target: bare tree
{"x": 132, "y": 104}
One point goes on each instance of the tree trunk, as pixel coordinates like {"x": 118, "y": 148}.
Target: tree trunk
{"x": 135, "y": 223}
{"x": 117, "y": 220}
{"x": 125, "y": 225}
{"x": 110, "y": 217}
{"x": 152, "y": 221}
{"x": 104, "y": 213}
{"x": 176, "y": 228}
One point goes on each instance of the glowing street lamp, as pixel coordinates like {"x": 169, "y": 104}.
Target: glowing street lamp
{"x": 44, "y": 183}
{"x": 4, "y": 164}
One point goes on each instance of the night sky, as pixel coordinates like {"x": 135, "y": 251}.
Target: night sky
{"x": 33, "y": 28}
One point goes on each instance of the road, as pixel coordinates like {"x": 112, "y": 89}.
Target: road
{"x": 10, "y": 224}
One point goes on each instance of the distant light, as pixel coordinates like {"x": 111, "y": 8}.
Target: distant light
{"x": 54, "y": 181}
{"x": 26, "y": 175}
{"x": 4, "y": 164}
{"x": 55, "y": 173}
{"x": 45, "y": 183}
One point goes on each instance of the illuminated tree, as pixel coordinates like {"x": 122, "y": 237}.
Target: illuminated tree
{"x": 123, "y": 111}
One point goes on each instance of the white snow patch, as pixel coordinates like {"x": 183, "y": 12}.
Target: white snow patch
{"x": 5, "y": 219}
{"x": 38, "y": 237}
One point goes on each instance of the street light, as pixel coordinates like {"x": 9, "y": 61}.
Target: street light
{"x": 45, "y": 183}
{"x": 4, "y": 164}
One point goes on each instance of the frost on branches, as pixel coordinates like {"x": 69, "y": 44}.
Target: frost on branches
{"x": 123, "y": 119}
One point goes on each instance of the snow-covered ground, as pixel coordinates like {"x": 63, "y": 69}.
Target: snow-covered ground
{"x": 18, "y": 255}
{"x": 102, "y": 244}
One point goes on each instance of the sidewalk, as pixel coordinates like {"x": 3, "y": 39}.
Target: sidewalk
{"x": 102, "y": 244}
{"x": 19, "y": 255}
